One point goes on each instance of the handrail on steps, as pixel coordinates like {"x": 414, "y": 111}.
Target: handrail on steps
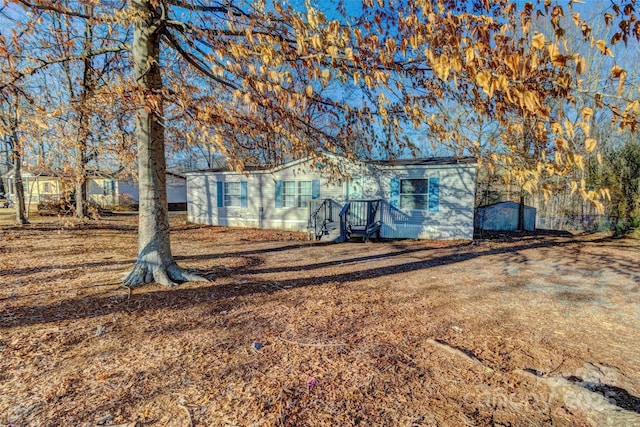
{"x": 319, "y": 217}
{"x": 362, "y": 221}
{"x": 345, "y": 208}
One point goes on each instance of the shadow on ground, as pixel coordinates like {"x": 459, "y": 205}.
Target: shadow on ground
{"x": 182, "y": 297}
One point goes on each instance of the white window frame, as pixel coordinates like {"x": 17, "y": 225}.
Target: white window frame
{"x": 425, "y": 195}
{"x": 296, "y": 198}
{"x": 229, "y": 198}
{"x": 108, "y": 185}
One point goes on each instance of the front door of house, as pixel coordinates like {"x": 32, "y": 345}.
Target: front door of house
{"x": 354, "y": 187}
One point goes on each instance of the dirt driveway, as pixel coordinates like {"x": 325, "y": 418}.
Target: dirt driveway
{"x": 539, "y": 330}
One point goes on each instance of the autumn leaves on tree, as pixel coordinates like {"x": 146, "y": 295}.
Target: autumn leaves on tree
{"x": 310, "y": 80}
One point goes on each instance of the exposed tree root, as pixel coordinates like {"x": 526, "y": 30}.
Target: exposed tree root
{"x": 171, "y": 275}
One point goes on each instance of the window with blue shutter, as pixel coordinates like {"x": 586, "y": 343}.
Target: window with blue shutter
{"x": 414, "y": 194}
{"x": 243, "y": 194}
{"x": 107, "y": 186}
{"x": 394, "y": 192}
{"x": 418, "y": 194}
{"x": 278, "y": 194}
{"x": 315, "y": 189}
{"x": 220, "y": 194}
{"x": 234, "y": 194}
{"x": 434, "y": 194}
{"x": 296, "y": 194}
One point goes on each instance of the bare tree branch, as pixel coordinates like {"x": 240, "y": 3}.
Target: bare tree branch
{"x": 195, "y": 62}
{"x": 218, "y": 8}
{"x": 44, "y": 63}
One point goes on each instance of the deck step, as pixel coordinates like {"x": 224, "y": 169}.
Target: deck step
{"x": 332, "y": 232}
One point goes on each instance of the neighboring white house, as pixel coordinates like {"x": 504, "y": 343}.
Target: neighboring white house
{"x": 419, "y": 198}
{"x": 104, "y": 190}
{"x": 51, "y": 187}
{"x": 503, "y": 216}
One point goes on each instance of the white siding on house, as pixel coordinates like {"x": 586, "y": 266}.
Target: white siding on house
{"x": 453, "y": 218}
{"x": 261, "y": 210}
{"x": 199, "y": 206}
{"x": 103, "y": 192}
{"x": 202, "y": 193}
{"x": 294, "y": 218}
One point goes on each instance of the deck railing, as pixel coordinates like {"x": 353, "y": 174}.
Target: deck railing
{"x": 360, "y": 217}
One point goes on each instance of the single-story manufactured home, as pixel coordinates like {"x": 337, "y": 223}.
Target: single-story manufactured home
{"x": 417, "y": 198}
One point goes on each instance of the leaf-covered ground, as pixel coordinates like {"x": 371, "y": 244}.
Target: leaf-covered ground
{"x": 539, "y": 330}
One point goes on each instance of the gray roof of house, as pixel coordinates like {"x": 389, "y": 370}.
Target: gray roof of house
{"x": 426, "y": 161}
{"x": 429, "y": 161}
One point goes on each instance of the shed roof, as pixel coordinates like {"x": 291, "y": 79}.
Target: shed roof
{"x": 505, "y": 203}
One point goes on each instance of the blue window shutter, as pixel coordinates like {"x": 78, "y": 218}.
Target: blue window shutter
{"x": 434, "y": 194}
{"x": 315, "y": 189}
{"x": 243, "y": 194}
{"x": 394, "y": 192}
{"x": 278, "y": 194}
{"x": 220, "y": 194}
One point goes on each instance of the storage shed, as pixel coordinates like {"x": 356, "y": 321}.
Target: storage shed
{"x": 503, "y": 216}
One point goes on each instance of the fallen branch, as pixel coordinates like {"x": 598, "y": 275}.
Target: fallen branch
{"x": 186, "y": 409}
{"x": 302, "y": 344}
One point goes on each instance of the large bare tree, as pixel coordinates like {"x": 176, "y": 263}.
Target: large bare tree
{"x": 216, "y": 68}
{"x": 14, "y": 114}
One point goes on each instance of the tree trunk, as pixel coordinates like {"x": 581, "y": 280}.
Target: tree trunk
{"x": 88, "y": 86}
{"x": 21, "y": 208}
{"x": 4, "y": 164}
{"x": 521, "y": 213}
{"x": 154, "y": 262}
{"x": 81, "y": 187}
{"x": 81, "y": 163}
{"x": 81, "y": 155}
{"x": 81, "y": 166}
